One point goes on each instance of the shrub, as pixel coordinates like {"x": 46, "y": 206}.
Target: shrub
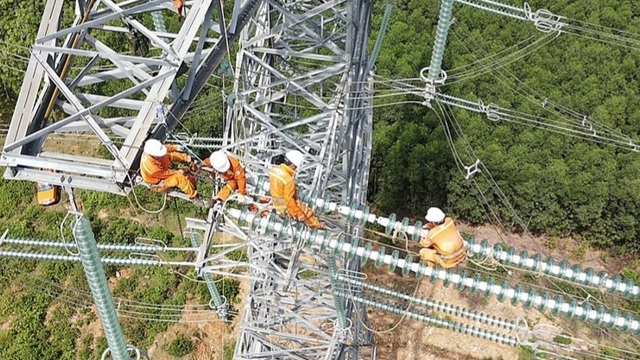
{"x": 180, "y": 347}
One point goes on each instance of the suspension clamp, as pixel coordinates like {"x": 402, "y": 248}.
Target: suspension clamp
{"x": 223, "y": 309}
{"x": 430, "y": 85}
{"x": 342, "y": 334}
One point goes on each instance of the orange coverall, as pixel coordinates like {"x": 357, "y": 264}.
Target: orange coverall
{"x": 179, "y": 5}
{"x": 235, "y": 176}
{"x": 443, "y": 245}
{"x": 155, "y": 170}
{"x": 285, "y": 196}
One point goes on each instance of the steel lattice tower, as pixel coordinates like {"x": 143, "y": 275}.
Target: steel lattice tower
{"x": 301, "y": 83}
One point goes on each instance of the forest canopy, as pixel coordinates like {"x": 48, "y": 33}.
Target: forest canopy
{"x": 543, "y": 181}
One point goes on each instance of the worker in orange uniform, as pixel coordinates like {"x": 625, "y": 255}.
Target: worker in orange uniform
{"x": 442, "y": 245}
{"x": 230, "y": 169}
{"x": 155, "y": 168}
{"x": 179, "y": 5}
{"x": 284, "y": 191}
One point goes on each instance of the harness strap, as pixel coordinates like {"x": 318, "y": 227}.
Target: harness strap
{"x": 454, "y": 255}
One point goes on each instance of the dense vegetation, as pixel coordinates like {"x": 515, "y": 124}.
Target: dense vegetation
{"x": 44, "y": 320}
{"x": 556, "y": 184}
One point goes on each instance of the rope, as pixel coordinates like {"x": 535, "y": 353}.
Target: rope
{"x": 175, "y": 202}
{"x": 415, "y": 291}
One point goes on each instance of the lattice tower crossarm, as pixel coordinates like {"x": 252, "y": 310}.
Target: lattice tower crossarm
{"x": 77, "y": 72}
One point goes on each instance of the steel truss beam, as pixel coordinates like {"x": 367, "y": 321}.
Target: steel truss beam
{"x": 111, "y": 90}
{"x": 301, "y": 83}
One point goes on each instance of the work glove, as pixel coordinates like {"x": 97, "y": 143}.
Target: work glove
{"x": 301, "y": 218}
{"x": 193, "y": 166}
{"x": 243, "y": 199}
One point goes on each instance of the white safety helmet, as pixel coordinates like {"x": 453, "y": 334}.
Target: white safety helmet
{"x": 435, "y": 215}
{"x": 155, "y": 148}
{"x": 219, "y": 161}
{"x": 295, "y": 157}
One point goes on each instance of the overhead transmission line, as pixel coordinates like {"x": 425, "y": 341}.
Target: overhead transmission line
{"x": 508, "y": 58}
{"x": 575, "y": 119}
{"x": 546, "y": 21}
{"x": 584, "y": 130}
{"x": 126, "y": 308}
